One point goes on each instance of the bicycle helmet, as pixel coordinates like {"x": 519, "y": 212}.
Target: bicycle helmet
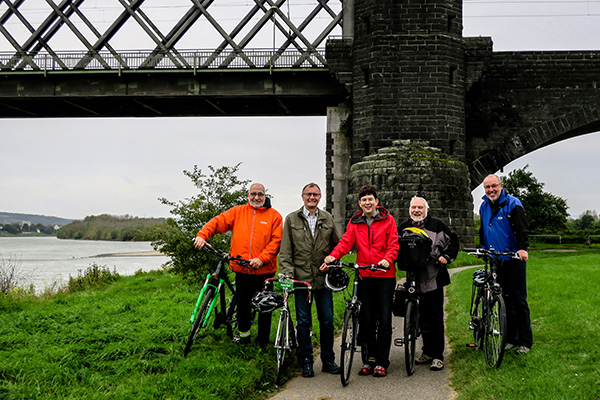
{"x": 267, "y": 301}
{"x": 337, "y": 280}
{"x": 412, "y": 231}
{"x": 479, "y": 277}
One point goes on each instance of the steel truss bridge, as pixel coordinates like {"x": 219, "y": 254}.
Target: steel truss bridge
{"x": 265, "y": 57}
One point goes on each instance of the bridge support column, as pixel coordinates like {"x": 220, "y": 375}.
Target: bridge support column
{"x": 411, "y": 168}
{"x": 337, "y": 168}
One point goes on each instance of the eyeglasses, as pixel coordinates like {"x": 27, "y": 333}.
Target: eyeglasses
{"x": 256, "y": 194}
{"x": 494, "y": 186}
{"x": 311, "y": 194}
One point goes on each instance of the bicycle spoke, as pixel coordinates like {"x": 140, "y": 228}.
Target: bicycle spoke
{"x": 349, "y": 332}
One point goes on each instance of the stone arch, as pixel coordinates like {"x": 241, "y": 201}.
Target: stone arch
{"x": 575, "y": 123}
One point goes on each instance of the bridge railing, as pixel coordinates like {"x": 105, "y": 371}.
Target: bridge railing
{"x": 172, "y": 59}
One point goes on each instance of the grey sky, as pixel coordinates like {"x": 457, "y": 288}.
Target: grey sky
{"x": 73, "y": 168}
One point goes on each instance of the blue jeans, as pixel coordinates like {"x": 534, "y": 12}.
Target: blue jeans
{"x": 512, "y": 276}
{"x": 376, "y": 296}
{"x": 324, "y": 302}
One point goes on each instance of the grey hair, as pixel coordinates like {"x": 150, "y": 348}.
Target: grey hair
{"x": 420, "y": 198}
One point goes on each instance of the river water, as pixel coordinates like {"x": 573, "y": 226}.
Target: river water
{"x": 43, "y": 261}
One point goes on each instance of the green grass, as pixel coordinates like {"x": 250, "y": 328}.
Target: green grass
{"x": 125, "y": 340}
{"x": 565, "y": 310}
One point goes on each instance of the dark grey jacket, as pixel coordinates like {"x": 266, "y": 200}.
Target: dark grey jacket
{"x": 301, "y": 255}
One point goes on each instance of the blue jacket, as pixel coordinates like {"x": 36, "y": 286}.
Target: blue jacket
{"x": 503, "y": 224}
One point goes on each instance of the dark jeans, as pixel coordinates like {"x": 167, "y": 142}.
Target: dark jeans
{"x": 247, "y": 286}
{"x": 512, "y": 276}
{"x": 324, "y": 303}
{"x": 376, "y": 295}
{"x": 431, "y": 313}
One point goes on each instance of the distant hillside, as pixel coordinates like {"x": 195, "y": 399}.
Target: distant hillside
{"x": 9, "y": 218}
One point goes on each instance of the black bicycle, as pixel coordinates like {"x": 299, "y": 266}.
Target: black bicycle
{"x": 412, "y": 329}
{"x": 213, "y": 296}
{"x": 338, "y": 280}
{"x": 488, "y": 311}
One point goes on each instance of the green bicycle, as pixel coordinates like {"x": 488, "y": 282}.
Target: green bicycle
{"x": 213, "y": 296}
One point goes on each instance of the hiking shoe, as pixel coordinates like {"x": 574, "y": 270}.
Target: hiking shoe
{"x": 423, "y": 359}
{"x": 307, "y": 370}
{"x": 331, "y": 367}
{"x": 366, "y": 370}
{"x": 523, "y": 350}
{"x": 509, "y": 346}
{"x": 379, "y": 371}
{"x": 437, "y": 365}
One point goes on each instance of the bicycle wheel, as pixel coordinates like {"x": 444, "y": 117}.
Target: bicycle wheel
{"x": 410, "y": 336}
{"x": 200, "y": 318}
{"x": 231, "y": 318}
{"x": 281, "y": 342}
{"x": 476, "y": 323}
{"x": 495, "y": 334}
{"x": 349, "y": 331}
{"x": 292, "y": 334}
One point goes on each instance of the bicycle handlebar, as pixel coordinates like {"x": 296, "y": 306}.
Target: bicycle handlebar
{"x": 371, "y": 267}
{"x": 242, "y": 262}
{"x": 491, "y": 253}
{"x": 306, "y": 286}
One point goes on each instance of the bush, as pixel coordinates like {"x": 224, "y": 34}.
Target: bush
{"x": 12, "y": 278}
{"x": 219, "y": 191}
{"x": 95, "y": 275}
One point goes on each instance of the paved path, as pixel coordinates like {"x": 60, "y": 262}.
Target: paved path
{"x": 422, "y": 385}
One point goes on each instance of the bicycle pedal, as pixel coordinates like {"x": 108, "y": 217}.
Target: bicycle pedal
{"x": 399, "y": 342}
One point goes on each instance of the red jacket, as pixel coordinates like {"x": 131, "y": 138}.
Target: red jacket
{"x": 255, "y": 233}
{"x": 373, "y": 243}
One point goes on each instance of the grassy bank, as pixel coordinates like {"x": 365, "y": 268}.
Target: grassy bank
{"x": 565, "y": 360}
{"x": 125, "y": 341}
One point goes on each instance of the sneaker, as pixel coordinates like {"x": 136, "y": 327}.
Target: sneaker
{"x": 379, "y": 371}
{"x": 437, "y": 365}
{"x": 366, "y": 370}
{"x": 307, "y": 370}
{"x": 523, "y": 350}
{"x": 509, "y": 346}
{"x": 331, "y": 367}
{"x": 423, "y": 359}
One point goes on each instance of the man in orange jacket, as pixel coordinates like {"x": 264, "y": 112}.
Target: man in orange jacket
{"x": 256, "y": 235}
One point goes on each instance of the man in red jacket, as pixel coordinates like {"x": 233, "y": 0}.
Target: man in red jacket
{"x": 256, "y": 236}
{"x": 373, "y": 231}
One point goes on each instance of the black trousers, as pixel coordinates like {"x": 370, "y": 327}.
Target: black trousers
{"x": 376, "y": 296}
{"x": 431, "y": 313}
{"x": 247, "y": 286}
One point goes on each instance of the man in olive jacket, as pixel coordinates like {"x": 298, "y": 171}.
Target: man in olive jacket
{"x": 309, "y": 235}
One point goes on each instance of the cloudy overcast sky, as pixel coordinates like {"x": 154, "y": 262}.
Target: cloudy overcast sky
{"x": 72, "y": 168}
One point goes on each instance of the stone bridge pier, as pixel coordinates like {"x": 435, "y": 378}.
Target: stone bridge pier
{"x": 402, "y": 128}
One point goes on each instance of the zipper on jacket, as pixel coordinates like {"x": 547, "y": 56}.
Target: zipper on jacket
{"x": 251, "y": 236}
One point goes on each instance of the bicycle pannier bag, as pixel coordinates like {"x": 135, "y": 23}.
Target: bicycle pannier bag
{"x": 415, "y": 248}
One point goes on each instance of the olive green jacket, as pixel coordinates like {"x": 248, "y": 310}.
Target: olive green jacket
{"x": 301, "y": 255}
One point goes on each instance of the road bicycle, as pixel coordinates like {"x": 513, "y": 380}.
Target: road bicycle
{"x": 488, "y": 311}
{"x": 285, "y": 340}
{"x": 351, "y": 327}
{"x": 213, "y": 296}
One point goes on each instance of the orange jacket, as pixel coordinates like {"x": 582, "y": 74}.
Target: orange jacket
{"x": 255, "y": 233}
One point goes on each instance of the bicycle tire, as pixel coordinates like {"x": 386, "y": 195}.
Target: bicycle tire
{"x": 231, "y": 317}
{"x": 495, "y": 335}
{"x": 200, "y": 317}
{"x": 477, "y": 322}
{"x": 281, "y": 342}
{"x": 410, "y": 336}
{"x": 348, "y": 347}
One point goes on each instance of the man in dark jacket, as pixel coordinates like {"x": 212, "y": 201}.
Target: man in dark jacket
{"x": 309, "y": 234}
{"x": 504, "y": 228}
{"x": 432, "y": 279}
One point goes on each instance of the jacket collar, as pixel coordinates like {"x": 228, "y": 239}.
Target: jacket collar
{"x": 360, "y": 218}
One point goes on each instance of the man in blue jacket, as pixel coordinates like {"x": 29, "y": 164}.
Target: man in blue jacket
{"x": 504, "y": 228}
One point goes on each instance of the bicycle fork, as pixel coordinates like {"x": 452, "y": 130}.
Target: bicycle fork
{"x": 207, "y": 284}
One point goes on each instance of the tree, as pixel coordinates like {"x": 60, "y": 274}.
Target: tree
{"x": 546, "y": 213}
{"x": 218, "y": 192}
